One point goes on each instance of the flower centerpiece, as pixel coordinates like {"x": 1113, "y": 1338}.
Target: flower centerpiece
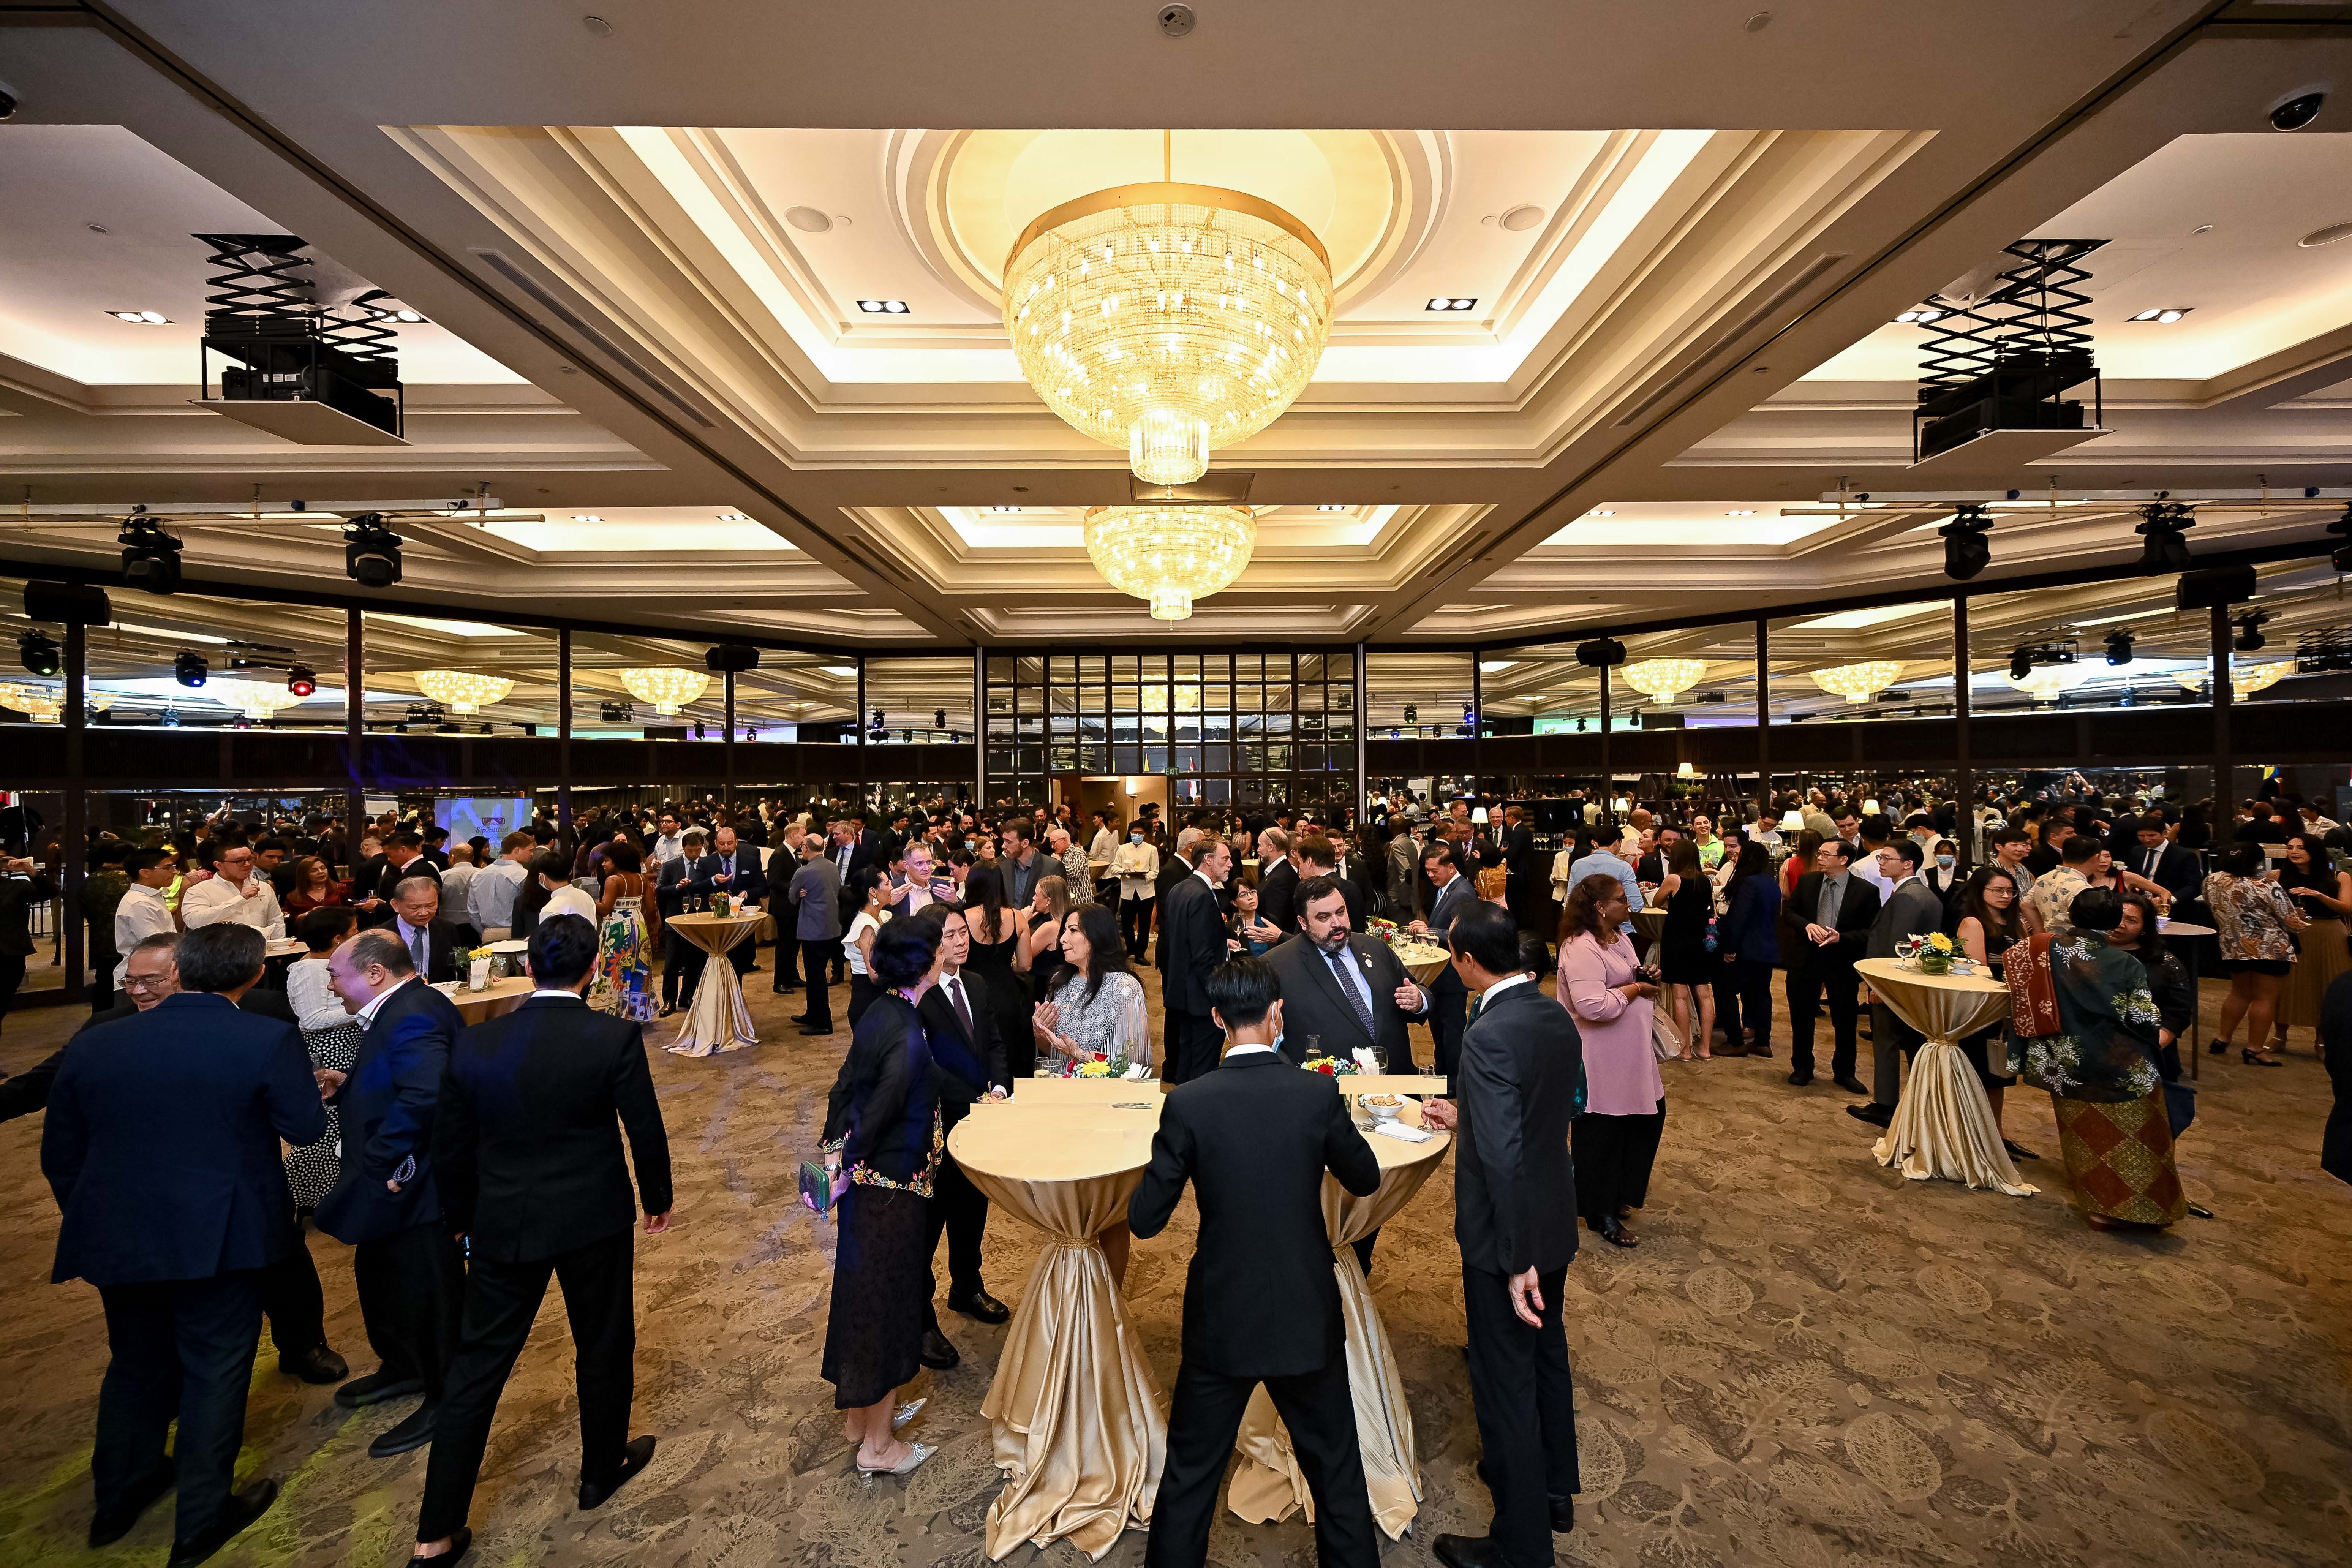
{"x": 1331, "y": 1067}
{"x": 478, "y": 967}
{"x": 1100, "y": 1064}
{"x": 1936, "y": 952}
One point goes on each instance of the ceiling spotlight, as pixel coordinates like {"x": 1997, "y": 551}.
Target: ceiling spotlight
{"x": 2119, "y": 646}
{"x": 939, "y": 718}
{"x": 141, "y": 317}
{"x": 1412, "y": 714}
{"x": 1452, "y": 302}
{"x": 2020, "y": 663}
{"x": 1603, "y": 512}
{"x": 371, "y": 552}
{"x": 2164, "y": 315}
{"x": 1967, "y": 552}
{"x": 1004, "y": 509}
{"x": 876, "y": 722}
{"x": 1330, "y": 508}
{"x": 732, "y": 517}
{"x": 38, "y": 652}
{"x": 585, "y": 517}
{"x": 1741, "y": 512}
{"x": 2166, "y": 529}
{"x": 2249, "y": 638}
{"x": 698, "y": 731}
{"x": 883, "y": 307}
{"x": 189, "y": 670}
{"x": 1923, "y": 315}
{"x": 151, "y": 557}
{"x": 1469, "y": 714}
{"x": 301, "y": 680}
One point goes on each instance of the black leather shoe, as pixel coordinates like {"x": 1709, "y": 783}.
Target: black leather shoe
{"x": 1612, "y": 1231}
{"x": 243, "y": 1508}
{"x": 2017, "y": 1152}
{"x": 979, "y": 1307}
{"x": 1800, "y": 1078}
{"x": 937, "y": 1352}
{"x": 634, "y": 1458}
{"x": 800, "y": 1018}
{"x": 1877, "y": 1115}
{"x": 1852, "y": 1084}
{"x": 460, "y": 1542}
{"x": 813, "y": 1030}
{"x": 1563, "y": 1515}
{"x": 106, "y": 1528}
{"x": 1468, "y": 1551}
{"x": 317, "y": 1364}
{"x": 375, "y": 1388}
{"x": 410, "y": 1434}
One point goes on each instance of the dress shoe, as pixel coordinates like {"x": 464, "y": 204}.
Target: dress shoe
{"x": 1468, "y": 1551}
{"x": 937, "y": 1352}
{"x": 2017, "y": 1152}
{"x": 1800, "y": 1078}
{"x": 1563, "y": 1515}
{"x": 107, "y": 1528}
{"x": 907, "y": 1411}
{"x": 1731, "y": 1050}
{"x": 243, "y": 1508}
{"x": 1764, "y": 1051}
{"x": 317, "y": 1364}
{"x": 1877, "y": 1115}
{"x": 634, "y": 1458}
{"x": 979, "y": 1307}
{"x": 1852, "y": 1084}
{"x": 813, "y": 1029}
{"x": 412, "y": 1432}
{"x": 1612, "y": 1231}
{"x": 916, "y": 1454}
{"x": 800, "y": 1018}
{"x": 375, "y": 1388}
{"x": 460, "y": 1542}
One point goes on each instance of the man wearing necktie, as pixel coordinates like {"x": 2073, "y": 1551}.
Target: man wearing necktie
{"x": 1830, "y": 912}
{"x": 684, "y": 882}
{"x": 2166, "y": 864}
{"x": 1449, "y": 998}
{"x": 850, "y": 852}
{"x": 432, "y": 942}
{"x": 968, "y": 1058}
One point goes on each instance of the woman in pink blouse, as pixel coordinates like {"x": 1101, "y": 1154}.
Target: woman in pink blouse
{"x": 1616, "y": 1139}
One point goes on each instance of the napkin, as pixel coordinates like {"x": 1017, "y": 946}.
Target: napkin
{"x": 1366, "y": 1063}
{"x": 1398, "y": 1129}
{"x": 1135, "y": 1071}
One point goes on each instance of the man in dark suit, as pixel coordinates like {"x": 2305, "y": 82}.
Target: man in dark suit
{"x": 1255, "y": 1138}
{"x": 528, "y": 1137}
{"x": 851, "y": 850}
{"x": 1277, "y": 883}
{"x": 433, "y": 944}
{"x": 1525, "y": 885}
{"x": 161, "y": 1147}
{"x": 971, "y": 1064}
{"x": 1450, "y": 894}
{"x": 1174, "y": 867}
{"x": 1827, "y": 921}
{"x": 1515, "y": 1217}
{"x": 1343, "y": 993}
{"x": 1192, "y": 934}
{"x": 1910, "y": 909}
{"x": 741, "y": 874}
{"x": 403, "y": 856}
{"x": 386, "y": 1202}
{"x": 687, "y": 879}
{"x": 2166, "y": 864}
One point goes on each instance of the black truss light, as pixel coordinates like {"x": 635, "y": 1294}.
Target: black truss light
{"x": 1967, "y": 552}
{"x": 2165, "y": 527}
{"x": 2020, "y": 663}
{"x": 38, "y": 653}
{"x": 189, "y": 670}
{"x": 2250, "y": 631}
{"x": 301, "y": 680}
{"x": 2119, "y": 647}
{"x": 151, "y": 557}
{"x": 1412, "y": 714}
{"x": 939, "y": 718}
{"x": 371, "y": 552}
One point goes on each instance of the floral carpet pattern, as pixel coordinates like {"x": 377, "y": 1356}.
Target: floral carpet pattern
{"x": 1807, "y": 1361}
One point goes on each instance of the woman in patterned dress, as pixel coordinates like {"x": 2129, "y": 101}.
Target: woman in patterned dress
{"x": 1095, "y": 1003}
{"x": 2256, "y": 925}
{"x": 331, "y": 1036}
{"x": 625, "y": 968}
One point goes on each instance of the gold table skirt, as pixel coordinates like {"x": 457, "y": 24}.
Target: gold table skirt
{"x": 1268, "y": 1484}
{"x": 717, "y": 1018}
{"x": 1944, "y": 1126}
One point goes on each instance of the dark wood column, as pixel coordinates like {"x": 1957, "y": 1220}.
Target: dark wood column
{"x": 354, "y": 730}
{"x": 1964, "y": 777}
{"x": 1608, "y": 777}
{"x": 1763, "y": 715}
{"x": 75, "y": 836}
{"x": 563, "y": 730}
{"x": 2223, "y": 690}
{"x": 727, "y": 790}
{"x": 861, "y": 732}
{"x": 979, "y": 729}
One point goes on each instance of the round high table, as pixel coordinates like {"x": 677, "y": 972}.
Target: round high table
{"x": 500, "y": 996}
{"x": 2167, "y": 926}
{"x": 715, "y": 1018}
{"x": 1074, "y": 1410}
{"x": 1943, "y": 1126}
{"x": 1268, "y": 1484}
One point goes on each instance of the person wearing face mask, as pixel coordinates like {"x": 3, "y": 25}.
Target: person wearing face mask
{"x": 1136, "y": 866}
{"x": 1943, "y": 874}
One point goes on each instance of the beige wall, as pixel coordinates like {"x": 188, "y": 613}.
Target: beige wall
{"x": 1092, "y": 794}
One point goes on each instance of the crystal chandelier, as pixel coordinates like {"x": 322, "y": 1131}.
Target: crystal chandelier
{"x": 2245, "y": 679}
{"x": 1664, "y": 680}
{"x": 1858, "y": 682}
{"x": 461, "y": 693}
{"x": 1169, "y": 319}
{"x": 47, "y": 704}
{"x": 1170, "y": 554}
{"x": 667, "y": 687}
{"x": 2043, "y": 682}
{"x": 255, "y": 699}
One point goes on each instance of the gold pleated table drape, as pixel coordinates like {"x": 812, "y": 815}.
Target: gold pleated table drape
{"x": 716, "y": 1018}
{"x": 1268, "y": 1484}
{"x": 1079, "y": 1429}
{"x": 1943, "y": 1126}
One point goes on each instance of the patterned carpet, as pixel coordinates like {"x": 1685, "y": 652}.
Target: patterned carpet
{"x": 1807, "y": 1361}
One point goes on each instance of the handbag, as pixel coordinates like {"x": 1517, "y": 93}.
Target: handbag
{"x": 2179, "y": 1107}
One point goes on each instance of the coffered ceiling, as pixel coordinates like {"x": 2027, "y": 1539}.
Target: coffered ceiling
{"x": 638, "y": 249}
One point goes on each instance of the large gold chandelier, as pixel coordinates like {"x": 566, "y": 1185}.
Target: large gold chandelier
{"x": 255, "y": 699}
{"x": 2043, "y": 682}
{"x": 1169, "y": 319}
{"x": 461, "y": 693}
{"x": 47, "y": 704}
{"x": 668, "y": 687}
{"x": 2245, "y": 679}
{"x": 1858, "y": 682}
{"x": 1171, "y": 555}
{"x": 1664, "y": 680}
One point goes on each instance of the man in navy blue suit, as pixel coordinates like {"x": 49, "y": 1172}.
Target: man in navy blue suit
{"x": 161, "y": 1147}
{"x": 742, "y": 873}
{"x": 385, "y": 1204}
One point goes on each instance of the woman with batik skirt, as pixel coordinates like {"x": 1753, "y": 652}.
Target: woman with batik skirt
{"x": 2085, "y": 1027}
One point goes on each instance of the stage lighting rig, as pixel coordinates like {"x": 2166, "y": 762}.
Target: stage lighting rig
{"x": 2249, "y": 638}
{"x": 301, "y": 680}
{"x": 190, "y": 669}
{"x": 151, "y": 557}
{"x": 2165, "y": 528}
{"x": 1412, "y": 714}
{"x": 37, "y": 652}
{"x": 2119, "y": 647}
{"x": 371, "y": 552}
{"x": 1967, "y": 552}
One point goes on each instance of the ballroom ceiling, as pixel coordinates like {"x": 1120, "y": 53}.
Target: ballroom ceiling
{"x": 636, "y": 241}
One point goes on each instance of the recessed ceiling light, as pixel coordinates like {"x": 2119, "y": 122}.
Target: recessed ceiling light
{"x": 1452, "y": 302}
{"x": 2164, "y": 315}
{"x": 585, "y": 517}
{"x": 732, "y": 517}
{"x": 1605, "y": 511}
{"x": 883, "y": 307}
{"x": 1004, "y": 509}
{"x": 141, "y": 317}
{"x": 1923, "y": 315}
{"x": 1741, "y": 512}
{"x": 2328, "y": 235}
{"x": 1334, "y": 509}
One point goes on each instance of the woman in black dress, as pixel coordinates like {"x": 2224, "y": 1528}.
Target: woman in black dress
{"x": 1683, "y": 965}
{"x": 996, "y": 937}
{"x": 882, "y": 1148}
{"x": 1991, "y": 921}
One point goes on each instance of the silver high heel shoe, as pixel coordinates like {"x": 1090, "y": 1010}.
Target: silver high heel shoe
{"x": 916, "y": 1454}
{"x": 908, "y": 1412}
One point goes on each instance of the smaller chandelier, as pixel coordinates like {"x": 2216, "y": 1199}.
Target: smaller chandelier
{"x": 1858, "y": 682}
{"x": 460, "y": 693}
{"x": 41, "y": 704}
{"x": 1171, "y": 555}
{"x": 2043, "y": 682}
{"x": 1664, "y": 680}
{"x": 255, "y": 699}
{"x": 667, "y": 687}
{"x": 2245, "y": 679}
